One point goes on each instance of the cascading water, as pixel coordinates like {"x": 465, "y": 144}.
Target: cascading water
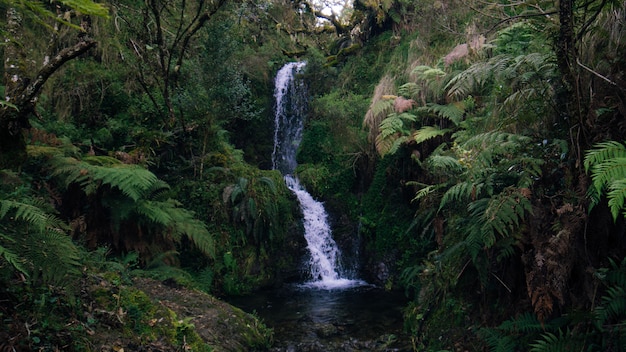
{"x": 330, "y": 313}
{"x": 291, "y": 104}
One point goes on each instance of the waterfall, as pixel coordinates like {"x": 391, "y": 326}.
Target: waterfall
{"x": 291, "y": 104}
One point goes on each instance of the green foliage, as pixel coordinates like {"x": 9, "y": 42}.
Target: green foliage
{"x": 607, "y": 163}
{"x": 34, "y": 241}
{"x": 253, "y": 206}
{"x": 393, "y": 131}
{"x": 91, "y": 173}
{"x": 136, "y": 195}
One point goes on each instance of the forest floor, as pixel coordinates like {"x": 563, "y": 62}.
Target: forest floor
{"x": 141, "y": 315}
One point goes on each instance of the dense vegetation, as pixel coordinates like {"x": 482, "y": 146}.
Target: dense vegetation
{"x": 476, "y": 149}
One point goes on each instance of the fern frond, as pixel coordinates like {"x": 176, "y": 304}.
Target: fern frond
{"x": 608, "y": 171}
{"x": 505, "y": 212}
{"x": 32, "y": 213}
{"x": 500, "y": 214}
{"x": 525, "y": 323}
{"x": 497, "y": 341}
{"x": 550, "y": 342}
{"x": 616, "y": 195}
{"x": 498, "y": 141}
{"x": 453, "y": 111}
{"x": 444, "y": 164}
{"x": 133, "y": 181}
{"x": 156, "y": 212}
{"x": 409, "y": 89}
{"x": 393, "y": 132}
{"x": 428, "y": 132}
{"x": 101, "y": 160}
{"x": 613, "y": 305}
{"x": 53, "y": 256}
{"x": 425, "y": 191}
{"x": 13, "y": 259}
{"x": 269, "y": 182}
{"x": 459, "y": 193}
{"x": 383, "y": 107}
{"x": 427, "y": 73}
{"x": 471, "y": 80}
{"x": 602, "y": 152}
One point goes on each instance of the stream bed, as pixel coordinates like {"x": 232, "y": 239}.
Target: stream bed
{"x": 308, "y": 319}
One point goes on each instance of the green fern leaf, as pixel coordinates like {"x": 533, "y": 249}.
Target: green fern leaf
{"x": 409, "y": 89}
{"x": 460, "y": 193}
{"x": 428, "y": 132}
{"x": 602, "y": 152}
{"x": 525, "y": 323}
{"x": 13, "y": 258}
{"x": 393, "y": 132}
{"x": 453, "y": 111}
{"x": 425, "y": 191}
{"x": 550, "y": 342}
{"x": 444, "y": 165}
{"x": 427, "y": 73}
{"x": 497, "y": 341}
{"x": 616, "y": 195}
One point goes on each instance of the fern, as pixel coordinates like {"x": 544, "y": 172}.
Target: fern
{"x": 134, "y": 181}
{"x": 428, "y": 132}
{"x": 11, "y": 257}
{"x": 453, "y": 111}
{"x": 505, "y": 211}
{"x": 54, "y": 257}
{"x": 33, "y": 241}
{"x": 427, "y": 73}
{"x": 393, "y": 131}
{"x": 550, "y": 342}
{"x": 607, "y": 163}
{"x": 460, "y": 193}
{"x": 32, "y": 213}
{"x": 497, "y": 341}
{"x": 525, "y": 323}
{"x": 444, "y": 165}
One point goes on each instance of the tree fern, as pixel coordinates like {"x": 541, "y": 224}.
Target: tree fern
{"x": 136, "y": 196}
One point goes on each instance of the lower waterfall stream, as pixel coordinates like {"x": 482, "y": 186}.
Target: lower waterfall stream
{"x": 332, "y": 310}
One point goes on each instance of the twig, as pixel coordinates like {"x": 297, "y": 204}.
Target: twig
{"x": 502, "y": 282}
{"x": 595, "y": 73}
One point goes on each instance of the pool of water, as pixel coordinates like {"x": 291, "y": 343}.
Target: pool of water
{"x": 352, "y": 318}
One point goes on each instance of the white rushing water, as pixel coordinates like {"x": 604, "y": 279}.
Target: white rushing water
{"x": 325, "y": 257}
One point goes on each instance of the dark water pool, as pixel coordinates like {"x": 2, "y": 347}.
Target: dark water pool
{"x": 364, "y": 318}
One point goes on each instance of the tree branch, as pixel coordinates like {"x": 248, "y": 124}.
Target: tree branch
{"x": 65, "y": 55}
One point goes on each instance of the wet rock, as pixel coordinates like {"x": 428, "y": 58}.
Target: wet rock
{"x": 325, "y": 330}
{"x": 382, "y": 272}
